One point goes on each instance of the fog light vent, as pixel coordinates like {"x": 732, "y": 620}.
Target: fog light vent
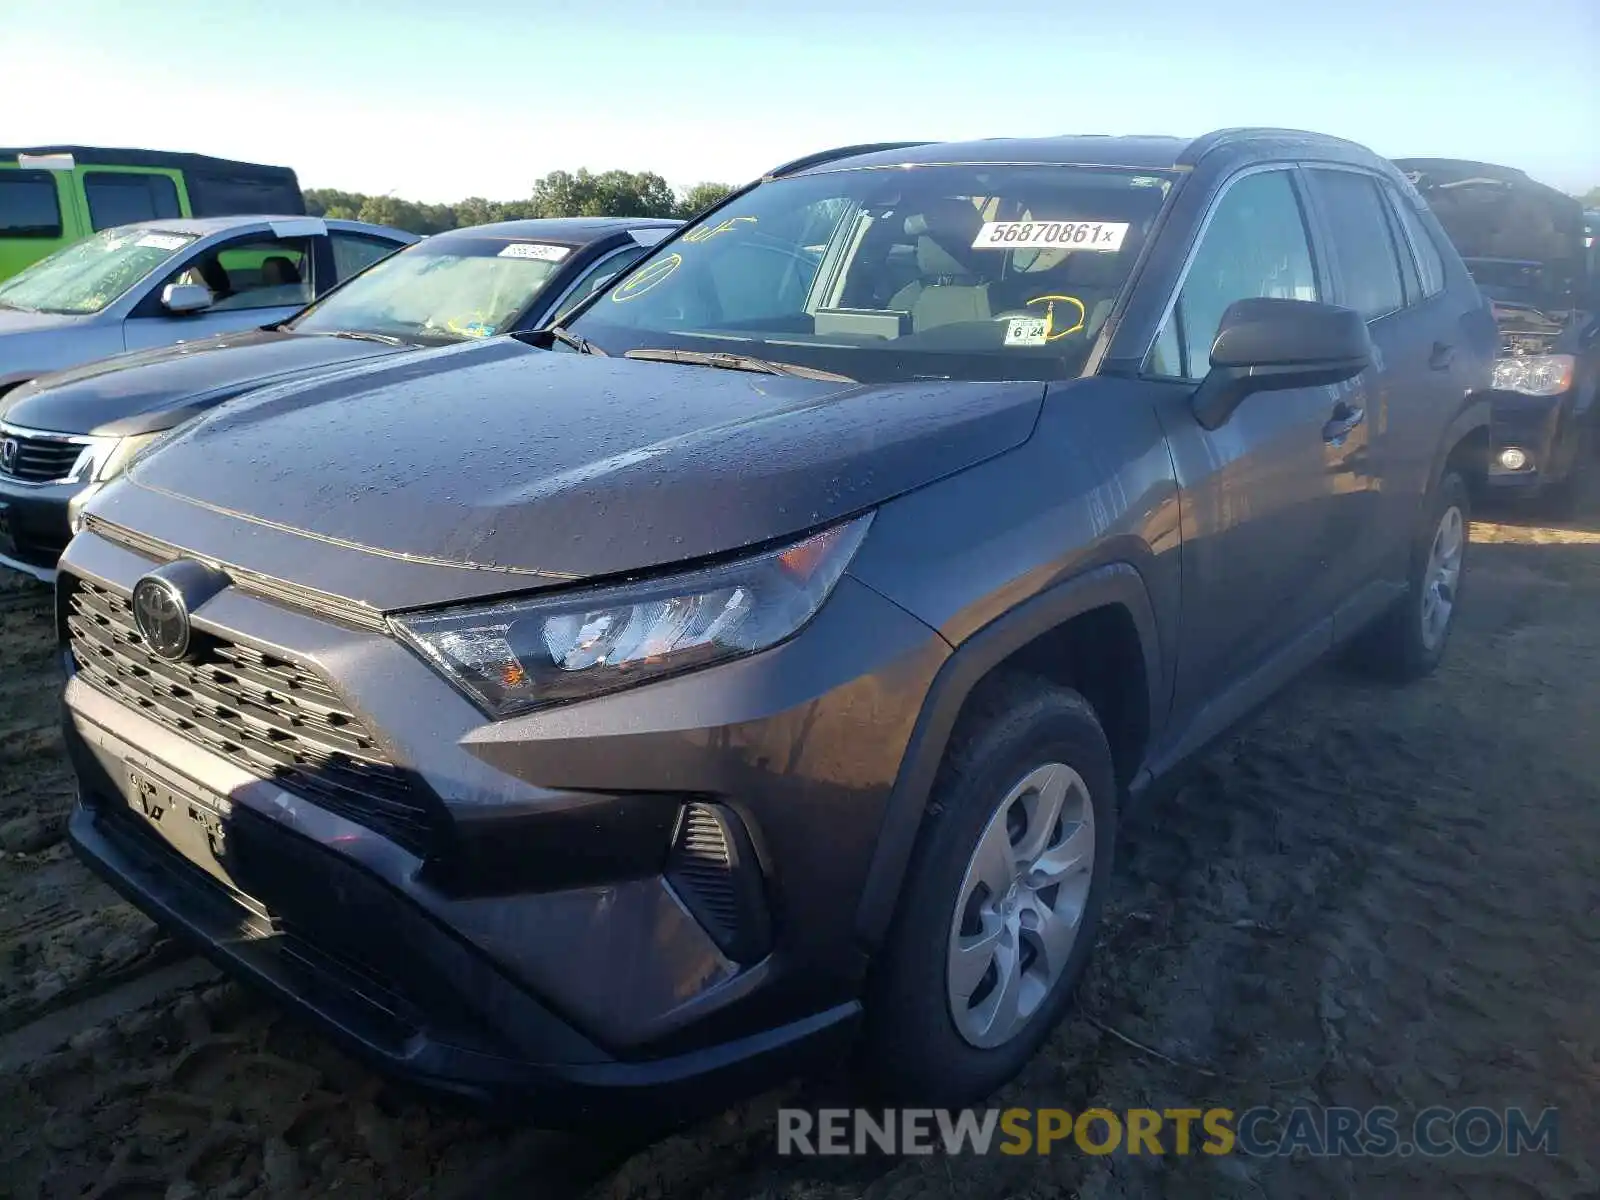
{"x": 713, "y": 869}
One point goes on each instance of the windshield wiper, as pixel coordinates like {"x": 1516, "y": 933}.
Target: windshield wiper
{"x": 581, "y": 344}
{"x": 736, "y": 362}
{"x": 361, "y": 335}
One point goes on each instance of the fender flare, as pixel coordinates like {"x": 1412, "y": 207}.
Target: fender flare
{"x": 1473, "y": 415}
{"x": 1113, "y": 584}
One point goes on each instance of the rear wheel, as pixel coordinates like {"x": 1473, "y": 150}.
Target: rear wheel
{"x": 1003, "y": 899}
{"x": 1409, "y": 640}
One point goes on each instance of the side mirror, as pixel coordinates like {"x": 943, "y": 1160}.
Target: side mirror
{"x": 180, "y": 299}
{"x": 1266, "y": 344}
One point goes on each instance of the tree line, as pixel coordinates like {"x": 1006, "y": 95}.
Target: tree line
{"x": 578, "y": 193}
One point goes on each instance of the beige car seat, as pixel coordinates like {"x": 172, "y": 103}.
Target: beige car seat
{"x": 951, "y": 288}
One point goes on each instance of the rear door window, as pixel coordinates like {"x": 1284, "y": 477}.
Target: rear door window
{"x": 1430, "y": 263}
{"x": 1410, "y": 280}
{"x": 1369, "y": 266}
{"x": 121, "y": 198}
{"x": 355, "y": 252}
{"x": 29, "y": 206}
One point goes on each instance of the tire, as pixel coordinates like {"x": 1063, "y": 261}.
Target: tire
{"x": 1398, "y": 646}
{"x": 1015, "y": 727}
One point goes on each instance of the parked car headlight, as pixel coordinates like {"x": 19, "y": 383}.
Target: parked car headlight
{"x": 525, "y": 654}
{"x": 104, "y": 458}
{"x": 1534, "y": 374}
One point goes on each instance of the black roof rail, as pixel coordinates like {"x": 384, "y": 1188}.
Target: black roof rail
{"x": 822, "y": 156}
{"x": 1199, "y": 147}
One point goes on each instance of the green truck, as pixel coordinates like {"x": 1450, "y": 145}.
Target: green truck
{"x": 50, "y": 196}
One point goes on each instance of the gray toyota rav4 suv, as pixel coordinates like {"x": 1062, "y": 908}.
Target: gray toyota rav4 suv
{"x": 754, "y": 665}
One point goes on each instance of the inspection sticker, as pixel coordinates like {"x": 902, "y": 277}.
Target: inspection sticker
{"x": 1056, "y": 235}
{"x": 535, "y": 250}
{"x": 1027, "y": 331}
{"x": 163, "y": 241}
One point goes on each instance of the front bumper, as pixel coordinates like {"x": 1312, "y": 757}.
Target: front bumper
{"x": 35, "y": 524}
{"x": 492, "y": 968}
{"x": 1532, "y": 424}
{"x": 374, "y": 1007}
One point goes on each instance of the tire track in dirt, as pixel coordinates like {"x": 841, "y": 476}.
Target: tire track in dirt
{"x": 63, "y": 934}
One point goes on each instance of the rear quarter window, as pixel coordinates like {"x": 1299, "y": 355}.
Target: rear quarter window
{"x": 1369, "y": 267}
{"x": 216, "y": 195}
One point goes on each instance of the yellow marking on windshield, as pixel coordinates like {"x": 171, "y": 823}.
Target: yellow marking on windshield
{"x": 646, "y": 279}
{"x": 706, "y": 233}
{"x": 1050, "y": 315}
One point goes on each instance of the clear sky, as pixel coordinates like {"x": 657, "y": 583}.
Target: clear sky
{"x": 436, "y": 101}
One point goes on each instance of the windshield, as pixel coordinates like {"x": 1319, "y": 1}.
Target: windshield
{"x": 940, "y": 272}
{"x": 88, "y": 275}
{"x": 445, "y": 289}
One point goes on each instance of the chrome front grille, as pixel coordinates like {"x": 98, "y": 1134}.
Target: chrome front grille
{"x": 271, "y": 717}
{"x": 34, "y": 457}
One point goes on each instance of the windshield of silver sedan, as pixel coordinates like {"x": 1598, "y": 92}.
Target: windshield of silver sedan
{"x": 88, "y": 275}
{"x": 887, "y": 274}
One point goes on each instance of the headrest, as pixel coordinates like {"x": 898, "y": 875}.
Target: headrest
{"x": 278, "y": 271}
{"x": 944, "y": 233}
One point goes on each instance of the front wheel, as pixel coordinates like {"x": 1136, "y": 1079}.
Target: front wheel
{"x": 1409, "y": 640}
{"x": 1003, "y": 899}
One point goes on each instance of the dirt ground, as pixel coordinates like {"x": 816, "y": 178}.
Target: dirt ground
{"x": 1370, "y": 896}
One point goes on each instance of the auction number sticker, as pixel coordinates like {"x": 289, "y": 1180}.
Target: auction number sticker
{"x": 536, "y": 250}
{"x": 163, "y": 241}
{"x": 1051, "y": 235}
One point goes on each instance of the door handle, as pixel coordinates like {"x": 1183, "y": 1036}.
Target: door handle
{"x": 1439, "y": 360}
{"x": 1344, "y": 420}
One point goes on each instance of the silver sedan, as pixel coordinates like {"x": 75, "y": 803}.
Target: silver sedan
{"x": 166, "y": 281}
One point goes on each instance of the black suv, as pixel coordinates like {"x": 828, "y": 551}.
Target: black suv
{"x": 756, "y": 663}
{"x": 1528, "y": 247}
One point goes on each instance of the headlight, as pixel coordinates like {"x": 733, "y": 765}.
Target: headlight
{"x": 526, "y": 654}
{"x": 105, "y": 458}
{"x": 1534, "y": 374}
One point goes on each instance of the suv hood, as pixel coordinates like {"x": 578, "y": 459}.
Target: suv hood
{"x": 1521, "y": 240}
{"x": 491, "y": 467}
{"x": 151, "y": 390}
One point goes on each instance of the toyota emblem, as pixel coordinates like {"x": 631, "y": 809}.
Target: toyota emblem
{"x": 162, "y": 617}
{"x": 10, "y": 448}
